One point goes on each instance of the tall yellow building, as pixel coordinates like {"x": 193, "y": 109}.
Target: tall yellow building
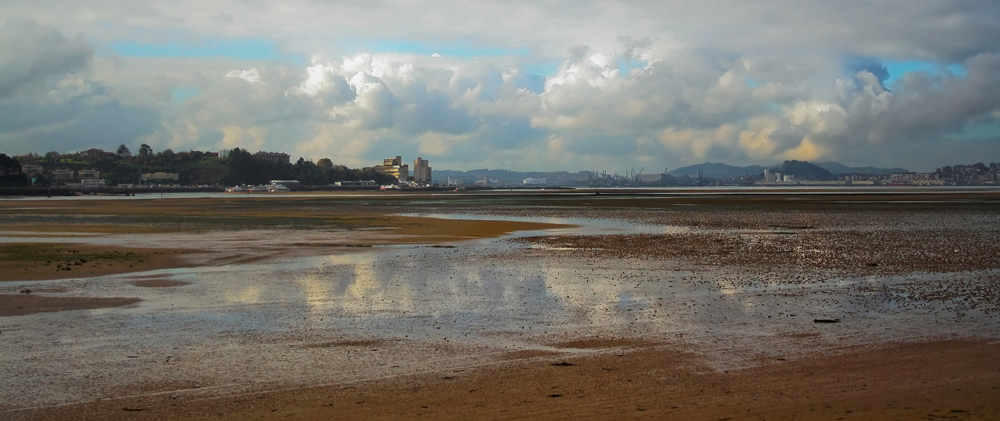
{"x": 394, "y": 167}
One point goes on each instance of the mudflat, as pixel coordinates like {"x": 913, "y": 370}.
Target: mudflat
{"x": 804, "y": 304}
{"x": 41, "y": 261}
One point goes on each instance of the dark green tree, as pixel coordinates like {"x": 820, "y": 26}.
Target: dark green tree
{"x": 308, "y": 173}
{"x": 10, "y": 171}
{"x": 144, "y": 153}
{"x": 166, "y": 158}
{"x": 241, "y": 168}
{"x": 50, "y": 160}
{"x": 123, "y": 151}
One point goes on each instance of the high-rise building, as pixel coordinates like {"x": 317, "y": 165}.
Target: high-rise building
{"x": 421, "y": 171}
{"x": 394, "y": 167}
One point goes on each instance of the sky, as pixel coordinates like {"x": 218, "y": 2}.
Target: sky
{"x": 540, "y": 85}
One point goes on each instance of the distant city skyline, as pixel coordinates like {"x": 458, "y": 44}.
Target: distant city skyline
{"x": 513, "y": 85}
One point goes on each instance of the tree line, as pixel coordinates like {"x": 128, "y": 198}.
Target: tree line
{"x": 235, "y": 167}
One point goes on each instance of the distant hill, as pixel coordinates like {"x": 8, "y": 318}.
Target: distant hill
{"x": 717, "y": 170}
{"x": 837, "y": 168}
{"x": 803, "y": 170}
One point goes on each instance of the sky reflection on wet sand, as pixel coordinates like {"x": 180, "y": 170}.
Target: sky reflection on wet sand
{"x": 382, "y": 312}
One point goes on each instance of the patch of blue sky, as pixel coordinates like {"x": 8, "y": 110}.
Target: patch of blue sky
{"x": 180, "y": 95}
{"x": 753, "y": 84}
{"x": 242, "y": 49}
{"x": 626, "y": 66}
{"x": 541, "y": 67}
{"x": 900, "y": 68}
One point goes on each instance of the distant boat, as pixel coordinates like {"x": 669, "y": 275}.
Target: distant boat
{"x": 279, "y": 188}
{"x": 235, "y": 189}
{"x": 389, "y": 187}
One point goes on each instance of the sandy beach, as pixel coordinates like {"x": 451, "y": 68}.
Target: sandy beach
{"x": 692, "y": 305}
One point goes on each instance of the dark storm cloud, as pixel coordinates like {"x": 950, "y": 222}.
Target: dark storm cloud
{"x": 31, "y": 54}
{"x": 48, "y": 100}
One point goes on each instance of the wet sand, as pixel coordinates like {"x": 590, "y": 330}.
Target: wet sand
{"x": 935, "y": 380}
{"x": 98, "y": 219}
{"x": 159, "y": 283}
{"x": 45, "y": 261}
{"x": 685, "y": 307}
{"x": 24, "y": 304}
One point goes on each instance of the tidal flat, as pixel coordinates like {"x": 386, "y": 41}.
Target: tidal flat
{"x": 807, "y": 304}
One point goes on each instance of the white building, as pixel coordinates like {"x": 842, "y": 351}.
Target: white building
{"x": 535, "y": 182}
{"x": 93, "y": 183}
{"x": 289, "y": 184}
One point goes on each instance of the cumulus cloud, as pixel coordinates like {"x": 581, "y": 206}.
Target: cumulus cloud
{"x": 249, "y": 75}
{"x": 806, "y": 150}
{"x": 700, "y": 141}
{"x": 817, "y": 117}
{"x": 756, "y": 138}
{"x": 690, "y": 105}
{"x": 922, "y": 104}
{"x": 514, "y": 84}
{"x": 49, "y": 99}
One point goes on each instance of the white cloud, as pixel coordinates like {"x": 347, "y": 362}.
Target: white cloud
{"x": 249, "y": 75}
{"x": 520, "y": 83}
{"x": 818, "y": 117}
